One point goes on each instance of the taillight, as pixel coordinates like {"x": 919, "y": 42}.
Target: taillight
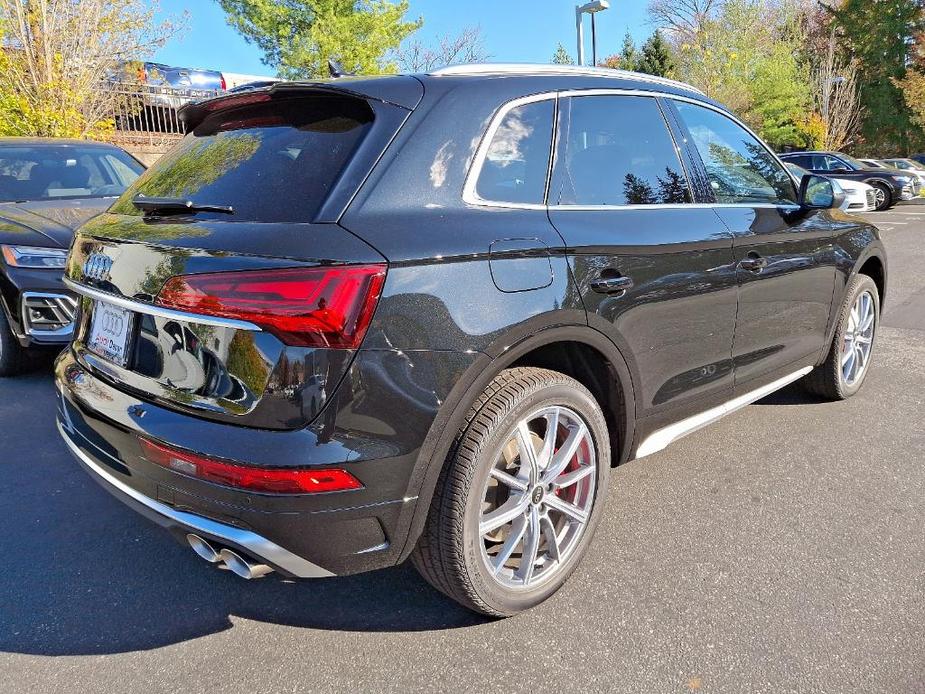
{"x": 223, "y": 85}
{"x": 309, "y": 307}
{"x": 269, "y": 480}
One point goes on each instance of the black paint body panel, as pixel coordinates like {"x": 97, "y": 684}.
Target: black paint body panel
{"x": 470, "y": 289}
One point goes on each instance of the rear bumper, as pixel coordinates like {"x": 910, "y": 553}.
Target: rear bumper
{"x": 181, "y": 522}
{"x": 374, "y": 429}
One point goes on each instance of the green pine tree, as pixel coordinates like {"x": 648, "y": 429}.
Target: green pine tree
{"x": 656, "y": 58}
{"x": 299, "y": 37}
{"x": 881, "y": 35}
{"x": 628, "y": 54}
{"x": 561, "y": 56}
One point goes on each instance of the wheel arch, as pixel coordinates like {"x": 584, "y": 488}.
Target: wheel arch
{"x": 576, "y": 350}
{"x": 874, "y": 266}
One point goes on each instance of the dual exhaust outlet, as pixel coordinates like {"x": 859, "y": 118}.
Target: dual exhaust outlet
{"x": 227, "y": 559}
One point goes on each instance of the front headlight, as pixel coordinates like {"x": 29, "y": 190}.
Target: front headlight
{"x": 849, "y": 191}
{"x": 34, "y": 256}
{"x": 904, "y": 179}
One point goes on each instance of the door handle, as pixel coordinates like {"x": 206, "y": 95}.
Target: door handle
{"x": 611, "y": 285}
{"x": 753, "y": 263}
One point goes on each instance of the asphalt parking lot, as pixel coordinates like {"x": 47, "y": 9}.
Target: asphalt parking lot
{"x": 782, "y": 550}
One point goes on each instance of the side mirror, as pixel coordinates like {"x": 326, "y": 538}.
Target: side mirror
{"x": 820, "y": 193}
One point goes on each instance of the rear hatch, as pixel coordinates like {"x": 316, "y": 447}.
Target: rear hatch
{"x": 220, "y": 283}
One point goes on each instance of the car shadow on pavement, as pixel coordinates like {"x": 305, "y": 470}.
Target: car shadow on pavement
{"x": 86, "y": 575}
{"x": 794, "y": 394}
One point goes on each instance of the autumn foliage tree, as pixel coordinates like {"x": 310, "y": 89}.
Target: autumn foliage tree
{"x": 59, "y": 59}
{"x": 747, "y": 58}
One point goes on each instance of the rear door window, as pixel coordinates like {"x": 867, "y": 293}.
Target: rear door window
{"x": 517, "y": 160}
{"x": 620, "y": 152}
{"x": 274, "y": 161}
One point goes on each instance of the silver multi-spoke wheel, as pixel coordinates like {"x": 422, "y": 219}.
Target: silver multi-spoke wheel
{"x": 858, "y": 339}
{"x": 521, "y": 493}
{"x": 538, "y": 497}
{"x": 879, "y": 196}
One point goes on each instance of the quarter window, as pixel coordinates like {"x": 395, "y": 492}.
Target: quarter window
{"x": 517, "y": 161}
{"x": 739, "y": 167}
{"x": 621, "y": 153}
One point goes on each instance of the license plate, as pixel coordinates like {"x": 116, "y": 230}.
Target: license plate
{"x": 110, "y": 331}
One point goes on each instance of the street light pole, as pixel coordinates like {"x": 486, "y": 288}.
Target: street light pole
{"x": 593, "y": 40}
{"x": 581, "y": 36}
{"x": 590, "y": 8}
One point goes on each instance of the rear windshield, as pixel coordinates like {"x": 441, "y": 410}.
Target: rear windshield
{"x": 274, "y": 161}
{"x": 47, "y": 172}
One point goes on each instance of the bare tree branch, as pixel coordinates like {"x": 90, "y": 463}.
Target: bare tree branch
{"x": 835, "y": 96}
{"x": 466, "y": 47}
{"x": 682, "y": 19}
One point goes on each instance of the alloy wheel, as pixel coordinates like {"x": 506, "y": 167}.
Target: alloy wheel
{"x": 858, "y": 339}
{"x": 879, "y": 195}
{"x": 538, "y": 498}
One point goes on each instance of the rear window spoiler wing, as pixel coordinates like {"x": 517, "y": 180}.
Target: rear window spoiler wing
{"x": 403, "y": 91}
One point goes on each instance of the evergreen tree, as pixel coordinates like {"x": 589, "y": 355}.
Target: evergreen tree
{"x": 299, "y": 37}
{"x": 656, "y": 58}
{"x": 673, "y": 188}
{"x": 628, "y": 55}
{"x": 561, "y": 56}
{"x": 881, "y": 36}
{"x": 637, "y": 192}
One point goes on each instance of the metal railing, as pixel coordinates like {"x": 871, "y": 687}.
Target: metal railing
{"x": 147, "y": 115}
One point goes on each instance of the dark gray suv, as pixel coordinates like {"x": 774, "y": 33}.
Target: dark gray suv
{"x": 349, "y": 322}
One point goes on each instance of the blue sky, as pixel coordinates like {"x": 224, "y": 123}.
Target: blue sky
{"x": 514, "y": 30}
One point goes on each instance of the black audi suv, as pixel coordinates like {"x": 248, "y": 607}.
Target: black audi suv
{"x": 890, "y": 185}
{"x": 48, "y": 187}
{"x": 349, "y": 322}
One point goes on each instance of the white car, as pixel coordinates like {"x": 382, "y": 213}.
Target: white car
{"x": 859, "y": 197}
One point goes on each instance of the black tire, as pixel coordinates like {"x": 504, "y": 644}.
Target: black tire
{"x": 884, "y": 196}
{"x": 14, "y": 359}
{"x": 827, "y": 380}
{"x": 449, "y": 554}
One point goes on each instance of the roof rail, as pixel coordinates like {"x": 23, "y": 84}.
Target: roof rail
{"x": 544, "y": 69}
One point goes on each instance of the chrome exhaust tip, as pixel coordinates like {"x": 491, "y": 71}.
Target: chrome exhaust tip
{"x": 203, "y": 548}
{"x": 242, "y": 567}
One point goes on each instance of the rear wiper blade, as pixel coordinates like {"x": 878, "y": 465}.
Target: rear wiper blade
{"x": 176, "y": 206}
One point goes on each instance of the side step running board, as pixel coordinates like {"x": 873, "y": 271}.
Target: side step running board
{"x": 660, "y": 439}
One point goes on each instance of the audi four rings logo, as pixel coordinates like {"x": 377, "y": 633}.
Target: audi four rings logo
{"x": 97, "y": 267}
{"x": 111, "y": 323}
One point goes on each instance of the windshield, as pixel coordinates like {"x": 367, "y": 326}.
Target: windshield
{"x": 852, "y": 162}
{"x": 50, "y": 172}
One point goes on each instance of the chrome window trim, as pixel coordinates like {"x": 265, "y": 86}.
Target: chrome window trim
{"x": 677, "y": 206}
{"x": 152, "y": 310}
{"x": 470, "y": 198}
{"x": 470, "y": 194}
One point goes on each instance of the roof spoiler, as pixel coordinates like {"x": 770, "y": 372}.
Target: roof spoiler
{"x": 400, "y": 90}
